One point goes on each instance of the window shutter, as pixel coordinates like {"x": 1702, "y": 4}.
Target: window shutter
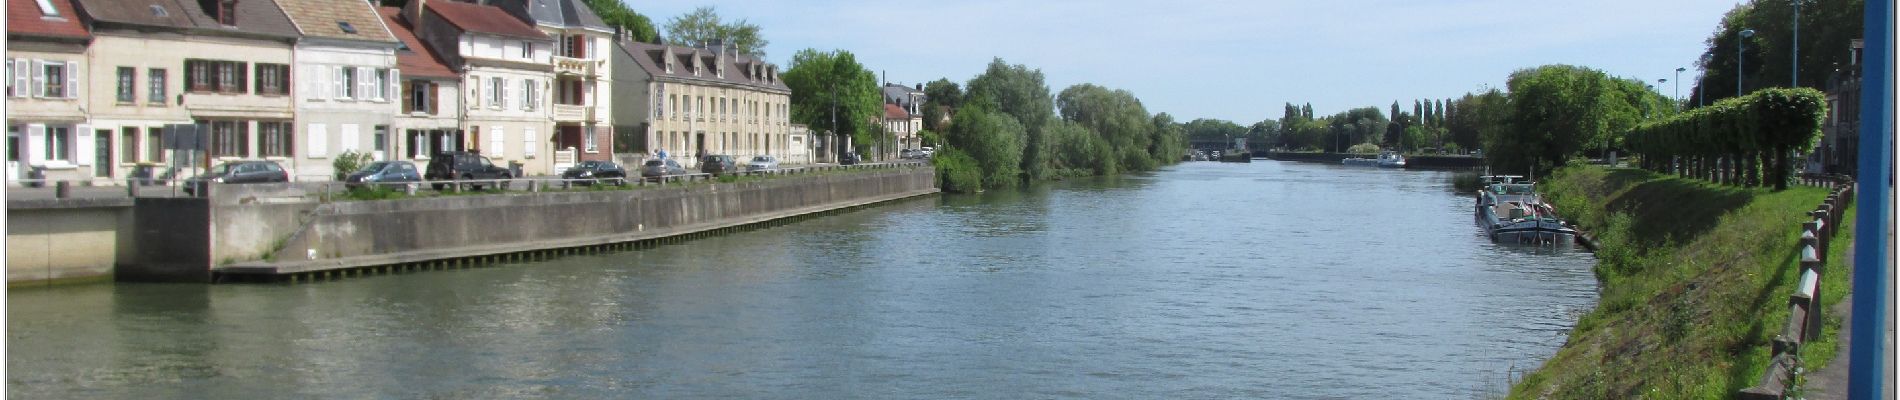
{"x": 82, "y": 143}
{"x": 349, "y": 135}
{"x": 22, "y": 77}
{"x": 35, "y": 146}
{"x": 528, "y": 144}
{"x": 498, "y": 147}
{"x": 319, "y": 141}
{"x": 394, "y": 84}
{"x": 365, "y": 83}
{"x": 72, "y": 80}
{"x": 339, "y": 89}
{"x": 433, "y": 94}
{"x": 408, "y": 96}
{"x": 39, "y": 78}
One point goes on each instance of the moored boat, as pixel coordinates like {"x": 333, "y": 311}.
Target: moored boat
{"x": 1511, "y": 212}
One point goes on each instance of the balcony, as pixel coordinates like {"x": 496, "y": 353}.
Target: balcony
{"x": 575, "y": 66}
{"x": 573, "y": 113}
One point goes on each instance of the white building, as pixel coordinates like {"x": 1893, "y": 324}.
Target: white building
{"x": 507, "y": 72}
{"x": 349, "y": 94}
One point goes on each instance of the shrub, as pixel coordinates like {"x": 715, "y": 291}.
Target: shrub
{"x": 348, "y": 162}
{"x": 1363, "y": 148}
{"x": 957, "y": 171}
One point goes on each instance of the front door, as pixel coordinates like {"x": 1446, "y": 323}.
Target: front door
{"x": 102, "y": 153}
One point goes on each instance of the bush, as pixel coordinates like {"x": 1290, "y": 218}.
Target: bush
{"x": 1363, "y": 148}
{"x": 1768, "y": 123}
{"x": 348, "y": 162}
{"x": 957, "y": 171}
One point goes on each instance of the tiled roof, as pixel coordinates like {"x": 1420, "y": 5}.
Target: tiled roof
{"x": 419, "y": 60}
{"x": 261, "y": 17}
{"x": 24, "y": 18}
{"x": 739, "y": 70}
{"x": 892, "y": 111}
{"x": 324, "y": 18}
{"x": 484, "y": 19}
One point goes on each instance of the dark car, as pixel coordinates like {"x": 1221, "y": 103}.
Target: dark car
{"x": 239, "y": 172}
{"x": 588, "y": 172}
{"x": 384, "y": 173}
{"x": 462, "y": 165}
{"x": 658, "y": 168}
{"x": 718, "y": 165}
{"x": 848, "y": 158}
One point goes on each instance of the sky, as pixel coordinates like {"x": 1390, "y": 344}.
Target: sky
{"x": 1241, "y": 60}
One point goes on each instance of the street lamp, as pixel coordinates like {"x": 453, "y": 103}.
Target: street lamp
{"x": 1739, "y": 44}
{"x": 1703, "y": 81}
{"x": 1795, "y": 79}
{"x": 1678, "y": 95}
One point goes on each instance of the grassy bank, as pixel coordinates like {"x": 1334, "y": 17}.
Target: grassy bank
{"x": 1695, "y": 279}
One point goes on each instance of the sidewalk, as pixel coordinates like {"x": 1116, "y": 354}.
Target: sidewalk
{"x": 1830, "y": 383}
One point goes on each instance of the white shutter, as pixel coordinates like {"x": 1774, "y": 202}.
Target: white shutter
{"x": 498, "y": 147}
{"x": 528, "y": 145}
{"x": 319, "y": 141}
{"x": 22, "y": 77}
{"x": 83, "y": 152}
{"x": 339, "y": 88}
{"x": 395, "y": 86}
{"x": 72, "y": 80}
{"x": 349, "y": 135}
{"x": 35, "y": 146}
{"x": 39, "y": 78}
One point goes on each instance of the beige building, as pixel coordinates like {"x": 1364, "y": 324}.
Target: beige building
{"x": 427, "y": 121}
{"x": 226, "y": 70}
{"x": 583, "y": 127}
{"x": 347, "y": 91}
{"x": 47, "y": 130}
{"x": 507, "y": 73}
{"x": 689, "y": 102}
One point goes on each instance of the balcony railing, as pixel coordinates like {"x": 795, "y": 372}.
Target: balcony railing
{"x": 573, "y": 113}
{"x": 575, "y": 66}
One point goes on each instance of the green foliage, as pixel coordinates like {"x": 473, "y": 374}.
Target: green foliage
{"x": 703, "y": 26}
{"x": 1557, "y": 111}
{"x": 1018, "y": 92}
{"x": 1363, "y": 148}
{"x": 348, "y": 162}
{"x": 821, "y": 81}
{"x": 995, "y": 140}
{"x": 957, "y": 171}
{"x": 1214, "y": 129}
{"x": 373, "y": 193}
{"x": 1772, "y": 121}
{"x": 1080, "y": 148}
{"x": 1170, "y": 140}
{"x": 1827, "y": 28}
{"x": 616, "y": 14}
{"x": 1477, "y": 115}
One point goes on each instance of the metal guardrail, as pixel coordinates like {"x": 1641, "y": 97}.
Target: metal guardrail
{"x": 1805, "y": 305}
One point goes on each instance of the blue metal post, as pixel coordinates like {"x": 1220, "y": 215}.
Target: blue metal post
{"x": 1866, "y": 368}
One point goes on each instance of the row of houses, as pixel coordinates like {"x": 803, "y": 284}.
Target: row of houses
{"x": 96, "y": 88}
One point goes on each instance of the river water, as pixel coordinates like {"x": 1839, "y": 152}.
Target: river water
{"x": 1204, "y": 280}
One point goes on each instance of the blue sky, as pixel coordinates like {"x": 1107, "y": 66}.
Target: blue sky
{"x": 1240, "y": 60}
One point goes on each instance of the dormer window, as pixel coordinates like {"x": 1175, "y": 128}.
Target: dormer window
{"x": 159, "y": 11}
{"x": 345, "y": 26}
{"x": 47, "y": 9}
{"x": 227, "y": 12}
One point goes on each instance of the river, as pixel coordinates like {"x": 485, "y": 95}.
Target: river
{"x": 1203, "y": 280}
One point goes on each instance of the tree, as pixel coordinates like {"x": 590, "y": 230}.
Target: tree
{"x": 1019, "y": 92}
{"x": 616, "y": 14}
{"x": 994, "y": 139}
{"x": 1827, "y": 28}
{"x": 1115, "y": 115}
{"x": 821, "y": 81}
{"x": 1557, "y": 111}
{"x": 1169, "y": 141}
{"x": 703, "y": 26}
{"x": 940, "y": 96}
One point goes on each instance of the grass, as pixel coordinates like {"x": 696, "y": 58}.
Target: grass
{"x": 1695, "y": 278}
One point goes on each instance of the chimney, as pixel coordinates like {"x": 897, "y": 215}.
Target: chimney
{"x": 412, "y": 13}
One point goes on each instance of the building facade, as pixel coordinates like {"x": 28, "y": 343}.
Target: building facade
{"x": 47, "y": 129}
{"x": 583, "y": 129}
{"x": 427, "y": 119}
{"x": 223, "y": 65}
{"x": 691, "y": 102}
{"x": 348, "y": 95}
{"x": 506, "y": 69}
{"x": 1839, "y": 149}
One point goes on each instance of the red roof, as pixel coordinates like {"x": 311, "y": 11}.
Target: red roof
{"x": 892, "y": 111}
{"x": 24, "y": 18}
{"x": 484, "y": 19}
{"x": 419, "y": 61}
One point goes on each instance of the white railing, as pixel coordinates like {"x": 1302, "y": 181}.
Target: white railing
{"x": 573, "y": 113}
{"x": 575, "y": 66}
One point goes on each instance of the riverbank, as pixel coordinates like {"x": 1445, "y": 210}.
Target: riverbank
{"x": 1694, "y": 283}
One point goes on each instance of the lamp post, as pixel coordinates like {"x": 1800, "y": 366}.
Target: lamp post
{"x": 1677, "y": 96}
{"x": 1794, "y": 79}
{"x": 1739, "y": 44}
{"x": 1702, "y": 100}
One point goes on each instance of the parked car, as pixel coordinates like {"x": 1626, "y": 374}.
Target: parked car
{"x": 595, "y": 171}
{"x": 239, "y": 172}
{"x": 760, "y": 163}
{"x": 384, "y": 173}
{"x": 659, "y": 168}
{"x": 907, "y": 154}
{"x": 926, "y": 152}
{"x": 848, "y": 158}
{"x": 462, "y": 165}
{"x": 718, "y": 164}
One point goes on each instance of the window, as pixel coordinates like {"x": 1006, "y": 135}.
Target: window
{"x": 229, "y": 138}
{"x": 527, "y": 50}
{"x": 587, "y": 136}
{"x": 345, "y": 26}
{"x": 421, "y": 97}
{"x": 529, "y": 98}
{"x": 227, "y": 12}
{"x": 128, "y": 144}
{"x": 52, "y": 79}
{"x": 273, "y": 79}
{"x": 155, "y": 77}
{"x": 381, "y": 138}
{"x": 47, "y": 9}
{"x": 155, "y": 144}
{"x": 58, "y": 143}
{"x": 382, "y": 83}
{"x": 207, "y": 76}
{"x": 228, "y": 76}
{"x": 274, "y": 139}
{"x": 126, "y": 93}
{"x": 496, "y": 87}
{"x": 346, "y": 83}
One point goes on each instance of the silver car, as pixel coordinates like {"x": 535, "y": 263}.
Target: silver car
{"x": 657, "y": 168}
{"x": 760, "y": 163}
